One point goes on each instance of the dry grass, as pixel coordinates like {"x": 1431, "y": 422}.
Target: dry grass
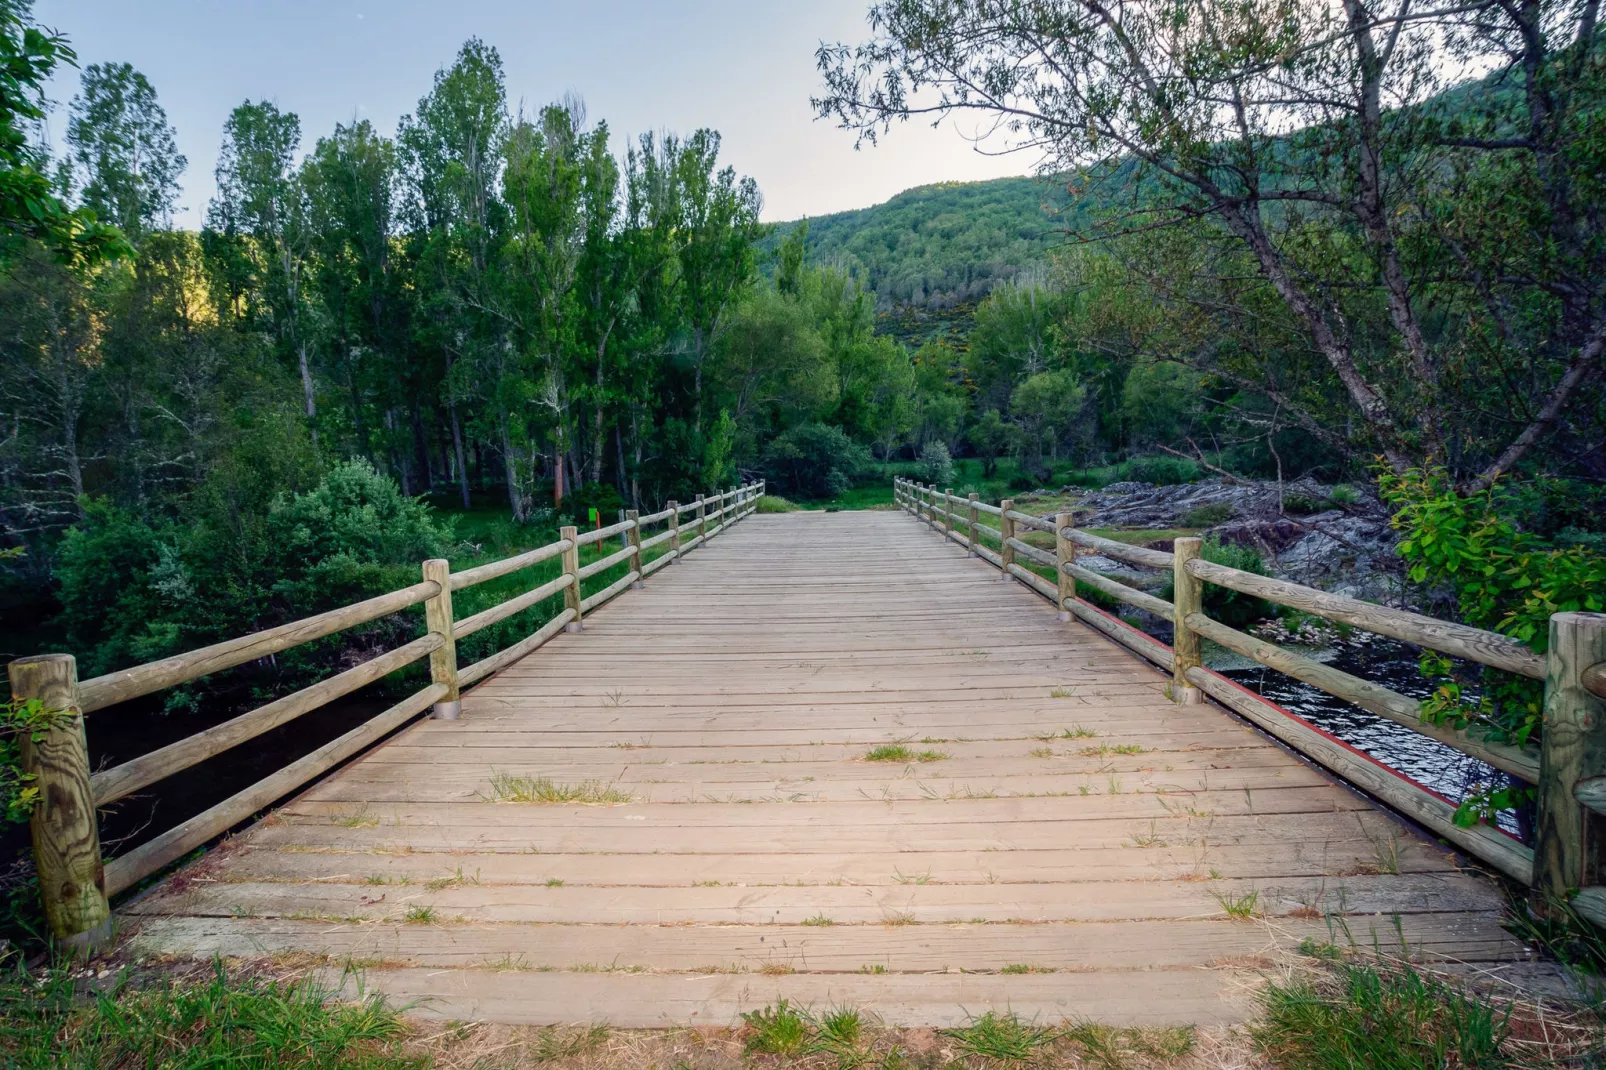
{"x": 522, "y": 789}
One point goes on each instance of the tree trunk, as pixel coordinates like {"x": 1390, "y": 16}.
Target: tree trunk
{"x": 457, "y": 448}
{"x": 307, "y": 390}
{"x": 510, "y": 465}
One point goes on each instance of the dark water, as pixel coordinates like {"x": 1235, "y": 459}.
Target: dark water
{"x": 1393, "y": 664}
{"x": 1427, "y": 761}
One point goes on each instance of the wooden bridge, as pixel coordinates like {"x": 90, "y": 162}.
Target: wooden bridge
{"x": 833, "y": 759}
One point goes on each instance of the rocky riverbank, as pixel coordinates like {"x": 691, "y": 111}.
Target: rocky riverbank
{"x": 1336, "y": 538}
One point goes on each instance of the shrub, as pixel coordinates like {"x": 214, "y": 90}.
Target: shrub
{"x": 814, "y": 461}
{"x": 774, "y": 503}
{"x": 1302, "y": 505}
{"x": 1022, "y": 481}
{"x": 1344, "y": 494}
{"x": 356, "y": 513}
{"x": 1207, "y": 516}
{"x": 1162, "y": 471}
{"x": 1230, "y": 607}
{"x": 936, "y": 466}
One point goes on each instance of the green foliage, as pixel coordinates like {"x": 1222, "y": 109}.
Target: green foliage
{"x": 781, "y": 1029}
{"x": 1502, "y": 578}
{"x": 774, "y": 503}
{"x": 936, "y": 466}
{"x": 1392, "y": 1018}
{"x": 1232, "y": 608}
{"x": 1162, "y": 471}
{"x": 814, "y": 461}
{"x": 240, "y": 1021}
{"x": 1207, "y": 516}
{"x": 939, "y": 244}
{"x": 30, "y": 718}
{"x": 1004, "y": 1037}
{"x": 357, "y": 514}
{"x": 28, "y": 206}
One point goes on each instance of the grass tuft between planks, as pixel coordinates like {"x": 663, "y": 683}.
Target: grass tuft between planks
{"x": 522, "y": 789}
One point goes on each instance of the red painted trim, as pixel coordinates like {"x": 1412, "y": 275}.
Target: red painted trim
{"x": 1292, "y": 716}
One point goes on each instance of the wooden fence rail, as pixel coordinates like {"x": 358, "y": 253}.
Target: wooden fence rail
{"x": 75, "y": 882}
{"x": 1568, "y": 767}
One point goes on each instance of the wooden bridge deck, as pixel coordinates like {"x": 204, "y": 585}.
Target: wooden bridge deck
{"x": 1078, "y": 829}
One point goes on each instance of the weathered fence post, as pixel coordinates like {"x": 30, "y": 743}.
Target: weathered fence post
{"x": 1006, "y": 531}
{"x": 1187, "y": 597}
{"x": 948, "y": 509}
{"x": 438, "y": 619}
{"x": 66, "y": 835}
{"x": 674, "y": 530}
{"x": 1064, "y": 554}
{"x": 702, "y": 519}
{"x": 571, "y": 568}
{"x": 1570, "y": 845}
{"x": 634, "y": 537}
{"x": 970, "y": 537}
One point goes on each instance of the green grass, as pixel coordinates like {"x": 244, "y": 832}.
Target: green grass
{"x": 818, "y": 919}
{"x": 239, "y": 1022}
{"x": 1240, "y": 907}
{"x": 774, "y": 503}
{"x": 420, "y": 916}
{"x": 897, "y": 752}
{"x": 523, "y": 789}
{"x": 781, "y": 1029}
{"x": 1389, "y": 1019}
{"x": 1001, "y": 1037}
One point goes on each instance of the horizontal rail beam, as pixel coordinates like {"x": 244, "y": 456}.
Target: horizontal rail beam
{"x": 602, "y": 564}
{"x": 1120, "y": 551}
{"x": 114, "y": 783}
{"x": 613, "y": 589}
{"x": 503, "y": 658}
{"x": 1400, "y": 709}
{"x": 125, "y": 684}
{"x": 503, "y": 610}
{"x": 1474, "y": 644}
{"x": 598, "y": 534}
{"x": 1037, "y": 583}
{"x": 1145, "y": 646}
{"x": 481, "y": 573}
{"x": 1482, "y": 842}
{"x": 1032, "y": 553}
{"x": 127, "y": 870}
{"x": 1036, "y": 523}
{"x": 1120, "y": 591}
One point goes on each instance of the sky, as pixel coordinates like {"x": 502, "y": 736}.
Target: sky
{"x": 744, "y": 68}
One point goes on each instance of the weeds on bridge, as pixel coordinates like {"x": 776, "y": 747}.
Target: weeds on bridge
{"x": 897, "y": 752}
{"x": 523, "y": 789}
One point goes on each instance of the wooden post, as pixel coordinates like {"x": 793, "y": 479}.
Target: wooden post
{"x": 1006, "y": 531}
{"x": 438, "y": 619}
{"x": 975, "y": 515}
{"x": 929, "y": 495}
{"x": 1570, "y": 844}
{"x": 948, "y": 509}
{"x": 1187, "y": 597}
{"x": 633, "y": 537}
{"x": 674, "y": 530}
{"x": 66, "y": 836}
{"x": 624, "y": 536}
{"x": 1064, "y": 554}
{"x": 571, "y": 568}
{"x": 702, "y": 519}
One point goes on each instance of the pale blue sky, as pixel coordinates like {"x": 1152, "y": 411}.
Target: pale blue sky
{"x": 746, "y": 69}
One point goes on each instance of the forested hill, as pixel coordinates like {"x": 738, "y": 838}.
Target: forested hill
{"x": 941, "y": 245}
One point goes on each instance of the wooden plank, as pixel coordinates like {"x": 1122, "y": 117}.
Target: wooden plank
{"x": 735, "y": 703}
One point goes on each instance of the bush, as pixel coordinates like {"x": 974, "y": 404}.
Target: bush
{"x": 1162, "y": 471}
{"x": 814, "y": 461}
{"x": 1207, "y": 516}
{"x": 1232, "y": 608}
{"x": 936, "y": 466}
{"x": 774, "y": 503}
{"x": 1022, "y": 481}
{"x": 1302, "y": 505}
{"x": 356, "y": 513}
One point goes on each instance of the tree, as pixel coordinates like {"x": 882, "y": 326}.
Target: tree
{"x": 29, "y": 208}
{"x": 261, "y": 202}
{"x": 123, "y": 149}
{"x": 1047, "y": 407}
{"x": 1305, "y": 140}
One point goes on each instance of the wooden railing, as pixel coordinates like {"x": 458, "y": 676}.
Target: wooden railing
{"x": 1568, "y": 767}
{"x": 74, "y": 883}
